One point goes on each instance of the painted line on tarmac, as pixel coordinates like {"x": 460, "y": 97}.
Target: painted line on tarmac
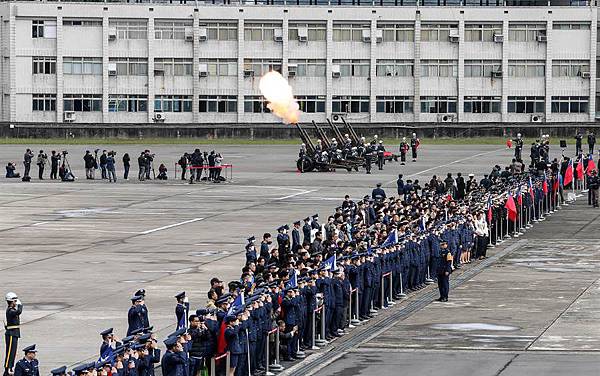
{"x": 170, "y": 226}
{"x": 295, "y": 194}
{"x": 448, "y": 164}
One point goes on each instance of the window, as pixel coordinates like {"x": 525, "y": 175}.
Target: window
{"x": 573, "y": 105}
{"x": 44, "y": 102}
{"x": 82, "y": 65}
{"x": 482, "y": 32}
{"x": 82, "y": 102}
{"x": 525, "y": 32}
{"x": 255, "y": 104}
{"x": 260, "y": 31}
{"x": 130, "y": 66}
{"x": 569, "y": 68}
{"x": 218, "y": 103}
{"x": 437, "y": 32}
{"x": 43, "y": 29}
{"x": 309, "y": 67}
{"x": 130, "y": 29}
{"x": 570, "y": 26}
{"x": 353, "y": 68}
{"x": 82, "y": 22}
{"x": 394, "y": 104}
{"x": 315, "y": 31}
{"x": 221, "y": 30}
{"x": 311, "y": 103}
{"x": 171, "y": 29}
{"x": 482, "y": 68}
{"x": 173, "y": 103}
{"x": 438, "y": 105}
{"x": 345, "y": 32}
{"x": 350, "y": 104}
{"x": 403, "y": 68}
{"x": 482, "y": 105}
{"x": 43, "y": 65}
{"x": 221, "y": 67}
{"x": 397, "y": 32}
{"x": 262, "y": 66}
{"x": 127, "y": 103}
{"x": 526, "y": 105}
{"x": 172, "y": 67}
{"x": 439, "y": 68}
{"x": 527, "y": 68}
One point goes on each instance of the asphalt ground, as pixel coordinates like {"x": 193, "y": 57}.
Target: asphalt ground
{"x": 75, "y": 252}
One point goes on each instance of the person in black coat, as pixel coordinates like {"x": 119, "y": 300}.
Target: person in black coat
{"x": 444, "y": 268}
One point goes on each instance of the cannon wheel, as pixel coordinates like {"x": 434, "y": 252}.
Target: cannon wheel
{"x": 305, "y": 164}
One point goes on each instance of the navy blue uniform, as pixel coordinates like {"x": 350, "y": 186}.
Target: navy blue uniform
{"x": 173, "y": 364}
{"x": 25, "y": 367}
{"x": 443, "y": 273}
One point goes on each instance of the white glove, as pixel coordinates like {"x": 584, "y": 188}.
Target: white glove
{"x": 19, "y": 302}
{"x": 186, "y": 300}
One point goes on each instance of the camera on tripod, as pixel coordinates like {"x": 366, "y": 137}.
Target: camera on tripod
{"x": 64, "y": 152}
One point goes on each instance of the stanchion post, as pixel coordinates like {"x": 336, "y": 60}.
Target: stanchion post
{"x": 402, "y": 294}
{"x": 391, "y": 294}
{"x": 355, "y": 320}
{"x": 383, "y": 292}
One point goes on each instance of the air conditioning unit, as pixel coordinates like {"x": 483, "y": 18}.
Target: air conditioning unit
{"x": 366, "y": 36}
{"x": 248, "y": 73}
{"x": 335, "y": 71}
{"x": 189, "y": 34}
{"x": 537, "y": 118}
{"x": 497, "y": 74}
{"x": 585, "y": 74}
{"x": 278, "y": 35}
{"x": 445, "y": 118}
{"x": 303, "y": 34}
{"x": 112, "y": 34}
{"x": 292, "y": 68}
{"x": 454, "y": 38}
{"x": 159, "y": 118}
{"x": 498, "y": 38}
{"x": 378, "y": 36}
{"x": 112, "y": 69}
{"x": 203, "y": 70}
{"x": 158, "y": 72}
{"x": 69, "y": 116}
{"x": 542, "y": 38}
{"x": 202, "y": 35}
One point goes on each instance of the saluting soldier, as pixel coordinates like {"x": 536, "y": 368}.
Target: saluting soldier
{"x": 414, "y": 145}
{"x": 29, "y": 365}
{"x": 12, "y": 330}
{"x": 403, "y": 150}
{"x": 181, "y": 310}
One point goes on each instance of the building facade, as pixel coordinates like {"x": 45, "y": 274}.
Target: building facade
{"x": 119, "y": 62}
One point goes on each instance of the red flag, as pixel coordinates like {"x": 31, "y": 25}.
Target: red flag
{"x": 509, "y": 143}
{"x": 568, "y": 174}
{"x": 489, "y": 209}
{"x": 448, "y": 197}
{"x": 591, "y": 166}
{"x": 555, "y": 185}
{"x": 545, "y": 187}
{"x": 221, "y": 342}
{"x": 579, "y": 170}
{"x": 520, "y": 200}
{"x": 511, "y": 208}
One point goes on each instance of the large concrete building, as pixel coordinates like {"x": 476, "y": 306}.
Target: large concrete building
{"x": 381, "y": 62}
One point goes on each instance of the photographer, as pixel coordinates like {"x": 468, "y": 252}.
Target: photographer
{"x": 142, "y": 167}
{"x": 42, "y": 159}
{"x": 54, "y": 161}
{"x": 149, "y": 159}
{"x": 218, "y": 168}
{"x": 126, "y": 166}
{"x": 89, "y": 163}
{"x": 10, "y": 171}
{"x": 110, "y": 167}
{"x": 103, "y": 162}
{"x": 162, "y": 172}
{"x": 27, "y": 162}
{"x": 203, "y": 341}
{"x": 183, "y": 162}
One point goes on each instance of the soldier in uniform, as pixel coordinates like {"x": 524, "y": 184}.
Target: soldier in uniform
{"x": 594, "y": 185}
{"x": 173, "y": 362}
{"x": 12, "y": 331}
{"x": 283, "y": 240}
{"x": 578, "y": 138}
{"x": 518, "y": 147}
{"x": 181, "y": 310}
{"x": 591, "y": 140}
{"x": 414, "y": 145}
{"x": 403, "y": 150}
{"x": 29, "y": 365}
{"x": 306, "y": 230}
{"x": 380, "y": 155}
{"x": 444, "y": 268}
{"x": 296, "y": 243}
{"x": 135, "y": 316}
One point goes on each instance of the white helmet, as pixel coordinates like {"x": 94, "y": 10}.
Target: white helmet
{"x": 333, "y": 139}
{"x": 346, "y": 135}
{"x": 414, "y": 135}
{"x": 11, "y": 297}
{"x": 518, "y": 135}
{"x": 403, "y": 138}
{"x": 375, "y": 137}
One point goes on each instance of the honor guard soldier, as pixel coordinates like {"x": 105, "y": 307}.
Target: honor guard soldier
{"x": 578, "y": 138}
{"x": 109, "y": 343}
{"x": 444, "y": 268}
{"x": 591, "y": 140}
{"x": 251, "y": 250}
{"x": 283, "y": 240}
{"x": 12, "y": 330}
{"x": 181, "y": 310}
{"x": 306, "y": 230}
{"x": 403, "y": 150}
{"x": 414, "y": 145}
{"x": 29, "y": 365}
{"x": 135, "y": 316}
{"x": 380, "y": 155}
{"x": 296, "y": 243}
{"x": 518, "y": 147}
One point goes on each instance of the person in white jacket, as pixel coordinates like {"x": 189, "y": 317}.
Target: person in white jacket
{"x": 481, "y": 231}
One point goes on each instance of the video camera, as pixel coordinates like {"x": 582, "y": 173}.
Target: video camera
{"x": 64, "y": 152}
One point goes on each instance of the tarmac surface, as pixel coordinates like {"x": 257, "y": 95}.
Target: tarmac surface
{"x": 75, "y": 253}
